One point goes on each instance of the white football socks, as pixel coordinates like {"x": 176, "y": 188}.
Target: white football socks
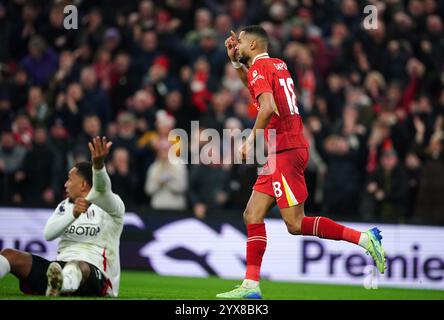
{"x": 250, "y": 284}
{"x": 363, "y": 240}
{"x": 5, "y": 267}
{"x": 72, "y": 276}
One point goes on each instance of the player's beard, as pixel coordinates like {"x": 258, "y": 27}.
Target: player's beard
{"x": 244, "y": 59}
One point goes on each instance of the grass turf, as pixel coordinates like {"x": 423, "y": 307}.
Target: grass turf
{"x": 144, "y": 285}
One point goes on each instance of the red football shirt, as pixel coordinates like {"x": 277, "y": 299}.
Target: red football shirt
{"x": 271, "y": 75}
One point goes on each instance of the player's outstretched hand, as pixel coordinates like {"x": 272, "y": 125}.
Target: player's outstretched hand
{"x": 99, "y": 148}
{"x": 80, "y": 206}
{"x": 231, "y": 45}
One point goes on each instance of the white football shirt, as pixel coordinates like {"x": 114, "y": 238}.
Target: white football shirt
{"x": 94, "y": 236}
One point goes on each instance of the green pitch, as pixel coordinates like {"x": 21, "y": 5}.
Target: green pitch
{"x": 144, "y": 285}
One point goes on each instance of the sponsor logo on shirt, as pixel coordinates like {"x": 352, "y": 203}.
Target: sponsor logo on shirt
{"x": 89, "y": 231}
{"x": 256, "y": 77}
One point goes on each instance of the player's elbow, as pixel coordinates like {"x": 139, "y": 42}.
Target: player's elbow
{"x": 48, "y": 235}
{"x": 269, "y": 110}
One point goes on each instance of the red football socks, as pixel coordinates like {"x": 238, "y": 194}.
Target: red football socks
{"x": 312, "y": 226}
{"x": 256, "y": 244}
{"x": 328, "y": 229}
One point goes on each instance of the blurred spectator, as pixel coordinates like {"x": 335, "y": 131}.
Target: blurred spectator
{"x": 123, "y": 179}
{"x": 18, "y": 90}
{"x": 4, "y": 31}
{"x": 69, "y": 106}
{"x": 413, "y": 167}
{"x": 111, "y": 40}
{"x": 147, "y": 51}
{"x": 222, "y": 26}
{"x": 23, "y": 130}
{"x": 58, "y": 37}
{"x": 124, "y": 82}
{"x": 243, "y": 12}
{"x": 11, "y": 159}
{"x": 314, "y": 174}
{"x": 350, "y": 13}
{"x": 231, "y": 80}
{"x": 166, "y": 182}
{"x": 37, "y": 108}
{"x": 343, "y": 160}
{"x": 387, "y": 190}
{"x": 241, "y": 111}
{"x": 92, "y": 127}
{"x": 61, "y": 144}
{"x": 95, "y": 99}
{"x": 201, "y": 85}
{"x": 206, "y": 182}
{"x": 240, "y": 177}
{"x": 145, "y": 17}
{"x": 149, "y": 141}
{"x": 40, "y": 172}
{"x": 159, "y": 79}
{"x": 175, "y": 106}
{"x": 23, "y": 29}
{"x": 126, "y": 136}
{"x": 163, "y": 125}
{"x": 102, "y": 67}
{"x": 218, "y": 112}
{"x": 208, "y": 48}
{"x": 143, "y": 105}
{"x": 202, "y": 21}
{"x": 93, "y": 30}
{"x": 41, "y": 63}
{"x": 67, "y": 72}
{"x": 335, "y": 96}
{"x": 429, "y": 202}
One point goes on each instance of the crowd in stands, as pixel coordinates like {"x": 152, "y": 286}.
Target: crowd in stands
{"x": 372, "y": 100}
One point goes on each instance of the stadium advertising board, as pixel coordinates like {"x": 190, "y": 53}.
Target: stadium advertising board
{"x": 172, "y": 245}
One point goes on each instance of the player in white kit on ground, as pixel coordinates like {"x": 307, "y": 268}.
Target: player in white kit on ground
{"x": 89, "y": 223}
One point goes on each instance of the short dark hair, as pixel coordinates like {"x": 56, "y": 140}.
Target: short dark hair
{"x": 84, "y": 169}
{"x": 257, "y": 31}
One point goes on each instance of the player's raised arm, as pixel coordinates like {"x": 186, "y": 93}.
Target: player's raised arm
{"x": 101, "y": 194}
{"x": 231, "y": 43}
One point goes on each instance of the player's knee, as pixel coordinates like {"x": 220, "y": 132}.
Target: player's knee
{"x": 252, "y": 215}
{"x": 247, "y": 216}
{"x": 294, "y": 228}
{"x": 8, "y": 253}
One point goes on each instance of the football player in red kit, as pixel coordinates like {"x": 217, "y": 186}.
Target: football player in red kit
{"x": 282, "y": 180}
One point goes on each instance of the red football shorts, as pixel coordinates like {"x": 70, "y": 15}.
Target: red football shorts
{"x": 282, "y": 177}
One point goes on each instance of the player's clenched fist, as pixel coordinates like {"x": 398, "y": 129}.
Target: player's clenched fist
{"x": 80, "y": 206}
